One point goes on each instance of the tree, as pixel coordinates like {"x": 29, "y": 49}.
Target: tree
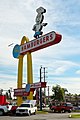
{"x": 58, "y": 93}
{"x": 1, "y": 91}
{"x": 8, "y": 95}
{"x": 76, "y": 99}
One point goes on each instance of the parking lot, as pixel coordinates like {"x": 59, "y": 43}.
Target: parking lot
{"x": 47, "y": 116}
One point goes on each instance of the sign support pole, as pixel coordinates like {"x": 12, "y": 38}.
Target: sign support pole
{"x": 29, "y": 74}
{"x": 20, "y": 74}
{"x": 20, "y": 71}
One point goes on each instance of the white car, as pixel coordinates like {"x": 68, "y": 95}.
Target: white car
{"x": 26, "y": 108}
{"x": 3, "y": 109}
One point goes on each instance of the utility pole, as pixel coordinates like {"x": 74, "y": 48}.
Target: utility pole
{"x": 45, "y": 88}
{"x": 44, "y": 81}
{"x": 40, "y": 90}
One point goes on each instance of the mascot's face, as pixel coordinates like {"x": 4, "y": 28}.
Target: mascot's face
{"x": 41, "y": 10}
{"x": 39, "y": 17}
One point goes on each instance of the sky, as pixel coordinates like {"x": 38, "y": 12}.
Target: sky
{"x": 61, "y": 61}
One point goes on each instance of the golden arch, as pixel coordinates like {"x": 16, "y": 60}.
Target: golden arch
{"x": 20, "y": 71}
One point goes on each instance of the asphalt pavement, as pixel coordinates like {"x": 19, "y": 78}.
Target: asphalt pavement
{"x": 46, "y": 116}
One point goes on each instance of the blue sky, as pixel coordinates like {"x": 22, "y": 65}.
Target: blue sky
{"x": 62, "y": 61}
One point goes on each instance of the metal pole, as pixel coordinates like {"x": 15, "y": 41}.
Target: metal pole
{"x": 44, "y": 88}
{"x": 44, "y": 79}
{"x": 48, "y": 94}
{"x": 40, "y": 92}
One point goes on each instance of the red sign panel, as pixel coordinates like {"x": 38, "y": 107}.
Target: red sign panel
{"x": 20, "y": 92}
{"x": 40, "y": 43}
{"x": 38, "y": 85}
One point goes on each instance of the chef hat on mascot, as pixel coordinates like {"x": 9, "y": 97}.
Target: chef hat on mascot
{"x": 40, "y": 10}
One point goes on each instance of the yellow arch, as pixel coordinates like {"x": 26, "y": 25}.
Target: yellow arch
{"x": 29, "y": 71}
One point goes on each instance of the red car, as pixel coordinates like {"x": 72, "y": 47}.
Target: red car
{"x": 62, "y": 107}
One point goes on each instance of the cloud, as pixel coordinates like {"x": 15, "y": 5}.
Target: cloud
{"x": 70, "y": 83}
{"x": 78, "y": 72}
{"x": 7, "y": 81}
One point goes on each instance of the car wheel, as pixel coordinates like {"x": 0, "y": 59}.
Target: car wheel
{"x": 35, "y": 112}
{"x": 1, "y": 112}
{"x": 69, "y": 111}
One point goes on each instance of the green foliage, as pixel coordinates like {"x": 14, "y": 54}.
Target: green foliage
{"x": 74, "y": 116}
{"x": 58, "y": 93}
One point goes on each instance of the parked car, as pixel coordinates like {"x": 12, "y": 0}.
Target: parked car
{"x": 76, "y": 107}
{"x": 12, "y": 108}
{"x": 26, "y": 108}
{"x": 3, "y": 109}
{"x": 62, "y": 107}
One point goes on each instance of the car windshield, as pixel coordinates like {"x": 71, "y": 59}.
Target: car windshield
{"x": 67, "y": 104}
{"x": 25, "y": 105}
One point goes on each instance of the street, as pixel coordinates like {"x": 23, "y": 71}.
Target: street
{"x": 47, "y": 116}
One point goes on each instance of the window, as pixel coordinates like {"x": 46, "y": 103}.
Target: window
{"x": 25, "y": 105}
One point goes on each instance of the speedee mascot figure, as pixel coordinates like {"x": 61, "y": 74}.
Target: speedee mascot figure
{"x": 39, "y": 19}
